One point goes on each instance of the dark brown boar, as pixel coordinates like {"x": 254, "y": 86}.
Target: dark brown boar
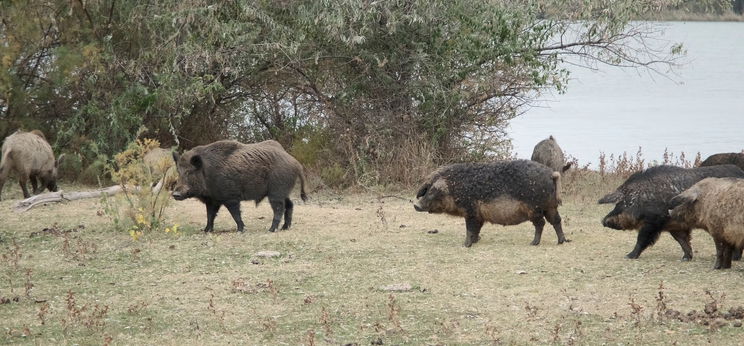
{"x": 724, "y": 159}
{"x": 550, "y": 154}
{"x": 227, "y": 172}
{"x": 30, "y": 157}
{"x": 504, "y": 192}
{"x": 717, "y": 206}
{"x": 642, "y": 203}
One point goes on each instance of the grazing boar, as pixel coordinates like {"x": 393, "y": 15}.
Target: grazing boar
{"x": 160, "y": 163}
{"x": 227, "y": 172}
{"x": 723, "y": 159}
{"x": 30, "y": 157}
{"x": 550, "y": 154}
{"x": 642, "y": 203}
{"x": 715, "y": 205}
{"x": 504, "y": 192}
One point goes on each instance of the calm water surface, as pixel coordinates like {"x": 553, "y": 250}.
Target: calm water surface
{"x": 617, "y": 110}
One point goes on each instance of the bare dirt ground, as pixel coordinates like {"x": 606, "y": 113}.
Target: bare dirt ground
{"x": 67, "y": 277}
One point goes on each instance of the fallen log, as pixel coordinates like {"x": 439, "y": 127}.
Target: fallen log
{"x": 62, "y": 196}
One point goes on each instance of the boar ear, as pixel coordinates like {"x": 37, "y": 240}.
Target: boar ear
{"x": 611, "y": 198}
{"x": 196, "y": 161}
{"x": 421, "y": 192}
{"x": 59, "y": 160}
{"x": 175, "y": 156}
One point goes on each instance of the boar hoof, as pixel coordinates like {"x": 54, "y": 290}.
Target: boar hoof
{"x": 631, "y": 256}
{"x": 564, "y": 241}
{"x": 686, "y": 259}
{"x": 535, "y": 242}
{"x": 467, "y": 243}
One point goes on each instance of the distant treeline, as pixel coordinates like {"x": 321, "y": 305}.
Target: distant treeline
{"x": 363, "y": 92}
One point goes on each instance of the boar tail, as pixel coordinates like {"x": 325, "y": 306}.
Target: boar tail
{"x": 303, "y": 195}
{"x": 557, "y": 183}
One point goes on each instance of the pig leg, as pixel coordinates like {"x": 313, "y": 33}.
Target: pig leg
{"x": 288, "y": 206}
{"x": 736, "y": 256}
{"x": 555, "y": 220}
{"x": 683, "y": 238}
{"x": 34, "y": 185}
{"x": 539, "y": 225}
{"x": 234, "y": 208}
{"x": 22, "y": 181}
{"x": 473, "y": 227}
{"x": 212, "y": 209}
{"x": 278, "y": 207}
{"x": 728, "y": 250}
{"x": 647, "y": 236}
{"x": 719, "y": 254}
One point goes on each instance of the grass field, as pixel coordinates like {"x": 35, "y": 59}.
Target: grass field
{"x": 81, "y": 282}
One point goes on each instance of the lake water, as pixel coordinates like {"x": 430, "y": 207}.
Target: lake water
{"x": 614, "y": 110}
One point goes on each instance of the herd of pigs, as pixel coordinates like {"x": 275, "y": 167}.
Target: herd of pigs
{"x": 660, "y": 198}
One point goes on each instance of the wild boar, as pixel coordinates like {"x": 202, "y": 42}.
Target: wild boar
{"x": 30, "y": 157}
{"x": 715, "y": 205}
{"x": 160, "y": 163}
{"x": 550, "y": 154}
{"x": 227, "y": 172}
{"x": 723, "y": 159}
{"x": 503, "y": 192}
{"x": 642, "y": 203}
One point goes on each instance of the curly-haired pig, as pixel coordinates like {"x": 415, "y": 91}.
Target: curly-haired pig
{"x": 642, "y": 203}
{"x": 227, "y": 172}
{"x": 715, "y": 205}
{"x": 503, "y": 192}
{"x": 550, "y": 154}
{"x": 31, "y": 158}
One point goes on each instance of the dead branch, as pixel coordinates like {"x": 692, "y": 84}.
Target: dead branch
{"x": 62, "y": 196}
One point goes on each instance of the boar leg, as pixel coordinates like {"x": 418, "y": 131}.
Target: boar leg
{"x": 647, "y": 236}
{"x": 278, "y": 207}
{"x": 212, "y": 209}
{"x": 555, "y": 220}
{"x": 683, "y": 238}
{"x": 473, "y": 227}
{"x": 288, "y": 206}
{"x": 539, "y": 225}
{"x": 234, "y": 208}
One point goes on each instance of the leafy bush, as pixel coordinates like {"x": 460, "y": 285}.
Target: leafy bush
{"x": 139, "y": 209}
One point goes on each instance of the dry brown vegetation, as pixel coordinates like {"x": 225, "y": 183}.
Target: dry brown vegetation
{"x": 360, "y": 268}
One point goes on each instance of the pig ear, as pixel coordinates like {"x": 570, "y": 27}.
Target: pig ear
{"x": 175, "y": 156}
{"x": 611, "y": 198}
{"x": 59, "y": 160}
{"x": 196, "y": 161}
{"x": 682, "y": 198}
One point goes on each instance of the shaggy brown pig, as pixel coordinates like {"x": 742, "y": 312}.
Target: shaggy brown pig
{"x": 723, "y": 159}
{"x": 550, "y": 154}
{"x": 642, "y": 203}
{"x": 227, "y": 172}
{"x": 503, "y": 192}
{"x": 160, "y": 163}
{"x": 30, "y": 157}
{"x": 715, "y": 205}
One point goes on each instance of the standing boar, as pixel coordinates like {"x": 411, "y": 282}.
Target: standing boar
{"x": 715, "y": 205}
{"x": 30, "y": 157}
{"x": 723, "y": 159}
{"x": 160, "y": 163}
{"x": 550, "y": 154}
{"x": 227, "y": 172}
{"x": 642, "y": 203}
{"x": 505, "y": 193}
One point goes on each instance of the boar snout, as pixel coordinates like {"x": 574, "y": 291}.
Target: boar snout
{"x": 417, "y": 208}
{"x": 178, "y": 196}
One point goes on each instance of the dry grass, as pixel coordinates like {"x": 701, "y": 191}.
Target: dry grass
{"x": 104, "y": 288}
